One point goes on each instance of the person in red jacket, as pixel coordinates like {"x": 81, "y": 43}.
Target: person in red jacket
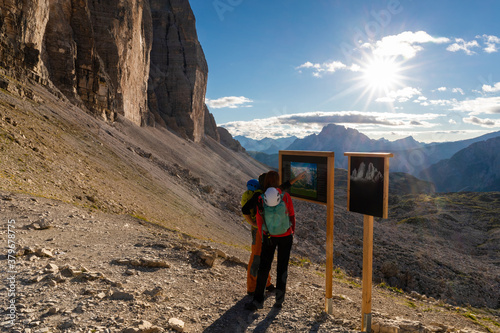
{"x": 283, "y": 242}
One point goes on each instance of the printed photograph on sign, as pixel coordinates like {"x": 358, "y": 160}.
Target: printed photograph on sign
{"x": 367, "y": 185}
{"x": 308, "y": 186}
{"x": 313, "y": 187}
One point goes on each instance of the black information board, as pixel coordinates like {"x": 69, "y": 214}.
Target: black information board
{"x": 314, "y": 185}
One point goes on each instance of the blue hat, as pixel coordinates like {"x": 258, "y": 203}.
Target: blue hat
{"x": 253, "y": 184}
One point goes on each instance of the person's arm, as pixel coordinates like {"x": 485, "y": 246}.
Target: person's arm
{"x": 300, "y": 176}
{"x": 291, "y": 210}
{"x": 286, "y": 185}
{"x": 250, "y": 221}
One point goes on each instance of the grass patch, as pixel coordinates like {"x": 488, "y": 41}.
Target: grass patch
{"x": 428, "y": 310}
{"x": 474, "y": 318}
{"x": 414, "y": 220}
{"x": 471, "y": 316}
{"x": 411, "y": 304}
{"x": 491, "y": 321}
{"x": 393, "y": 289}
{"x": 140, "y": 217}
{"x": 353, "y": 283}
{"x": 300, "y": 262}
{"x": 338, "y": 273}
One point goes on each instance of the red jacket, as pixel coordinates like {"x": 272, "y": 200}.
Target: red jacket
{"x": 291, "y": 214}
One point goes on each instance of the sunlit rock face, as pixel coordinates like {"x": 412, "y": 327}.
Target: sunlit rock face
{"x": 136, "y": 58}
{"x": 178, "y": 79}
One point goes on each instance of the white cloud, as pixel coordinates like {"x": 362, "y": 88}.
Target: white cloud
{"x": 327, "y": 67}
{"x": 355, "y": 68}
{"x": 406, "y": 44}
{"x": 231, "y": 102}
{"x": 482, "y": 122}
{"x": 442, "y": 102}
{"x": 461, "y": 45}
{"x": 453, "y": 90}
{"x": 303, "y": 124}
{"x": 492, "y": 43}
{"x": 401, "y": 95}
{"x": 494, "y": 88}
{"x": 480, "y": 105}
{"x": 333, "y": 66}
{"x": 309, "y": 64}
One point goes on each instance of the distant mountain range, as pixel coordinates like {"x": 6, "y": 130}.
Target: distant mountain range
{"x": 410, "y": 156}
{"x": 266, "y": 145}
{"x": 475, "y": 168}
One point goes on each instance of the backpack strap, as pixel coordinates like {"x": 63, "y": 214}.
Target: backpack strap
{"x": 261, "y": 212}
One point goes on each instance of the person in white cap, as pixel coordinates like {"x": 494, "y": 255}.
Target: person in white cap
{"x": 277, "y": 202}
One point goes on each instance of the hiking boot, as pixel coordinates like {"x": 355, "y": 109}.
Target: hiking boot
{"x": 253, "y": 306}
{"x": 270, "y": 287}
{"x": 280, "y": 298}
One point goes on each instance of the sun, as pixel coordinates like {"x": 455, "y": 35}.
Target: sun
{"x": 381, "y": 74}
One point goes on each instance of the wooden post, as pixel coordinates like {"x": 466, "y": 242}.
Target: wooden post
{"x": 329, "y": 236}
{"x": 366, "y": 306}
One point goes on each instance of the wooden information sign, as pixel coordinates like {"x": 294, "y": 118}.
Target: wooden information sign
{"x": 368, "y": 194}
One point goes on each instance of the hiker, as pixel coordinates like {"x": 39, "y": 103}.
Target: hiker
{"x": 277, "y": 232}
{"x": 253, "y": 186}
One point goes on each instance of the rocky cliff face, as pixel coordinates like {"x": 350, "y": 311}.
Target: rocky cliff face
{"x": 140, "y": 59}
{"x": 178, "y": 79}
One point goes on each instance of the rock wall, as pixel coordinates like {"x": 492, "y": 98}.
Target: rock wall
{"x": 178, "y": 79}
{"x": 228, "y": 141}
{"x": 137, "y": 58}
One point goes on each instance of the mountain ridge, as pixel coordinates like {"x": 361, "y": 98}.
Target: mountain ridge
{"x": 474, "y": 168}
{"x": 410, "y": 156}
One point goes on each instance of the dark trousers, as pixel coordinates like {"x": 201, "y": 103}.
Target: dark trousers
{"x": 269, "y": 245}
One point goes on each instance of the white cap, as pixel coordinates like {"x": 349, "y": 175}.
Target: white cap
{"x": 272, "y": 197}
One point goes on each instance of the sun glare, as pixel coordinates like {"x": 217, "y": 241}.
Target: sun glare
{"x": 381, "y": 74}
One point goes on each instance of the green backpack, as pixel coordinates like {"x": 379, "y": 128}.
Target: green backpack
{"x": 276, "y": 221}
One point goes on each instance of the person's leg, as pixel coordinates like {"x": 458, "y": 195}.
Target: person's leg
{"x": 284, "y": 248}
{"x": 256, "y": 250}
{"x": 253, "y": 264}
{"x": 266, "y": 261}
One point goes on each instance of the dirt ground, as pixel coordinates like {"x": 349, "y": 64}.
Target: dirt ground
{"x": 80, "y": 270}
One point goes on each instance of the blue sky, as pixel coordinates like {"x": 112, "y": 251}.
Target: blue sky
{"x": 391, "y": 68}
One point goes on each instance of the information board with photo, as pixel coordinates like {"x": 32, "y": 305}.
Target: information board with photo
{"x": 313, "y": 186}
{"x": 368, "y": 183}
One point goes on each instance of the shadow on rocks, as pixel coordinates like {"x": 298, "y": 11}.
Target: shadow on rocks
{"x": 264, "y": 325}
{"x": 237, "y": 319}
